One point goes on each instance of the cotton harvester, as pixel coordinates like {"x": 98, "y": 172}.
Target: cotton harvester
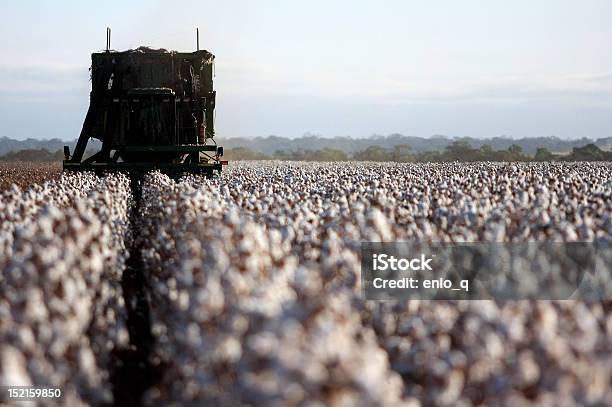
{"x": 151, "y": 109}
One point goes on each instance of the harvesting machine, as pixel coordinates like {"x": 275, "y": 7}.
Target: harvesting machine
{"x": 151, "y": 109}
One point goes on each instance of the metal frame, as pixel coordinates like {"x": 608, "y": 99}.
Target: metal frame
{"x": 197, "y": 167}
{"x": 200, "y": 168}
{"x": 183, "y": 148}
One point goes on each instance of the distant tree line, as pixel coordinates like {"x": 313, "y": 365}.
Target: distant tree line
{"x": 269, "y": 144}
{"x": 37, "y": 154}
{"x": 40, "y": 154}
{"x": 459, "y": 150}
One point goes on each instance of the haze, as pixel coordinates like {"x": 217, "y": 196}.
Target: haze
{"x": 334, "y": 68}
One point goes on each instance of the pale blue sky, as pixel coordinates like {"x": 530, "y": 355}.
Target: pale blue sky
{"x": 461, "y": 68}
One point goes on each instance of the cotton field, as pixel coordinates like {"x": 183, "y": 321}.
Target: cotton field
{"x": 251, "y": 283}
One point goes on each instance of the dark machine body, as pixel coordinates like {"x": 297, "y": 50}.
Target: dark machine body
{"x": 152, "y": 109}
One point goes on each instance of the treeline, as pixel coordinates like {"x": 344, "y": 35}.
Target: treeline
{"x": 459, "y": 150}
{"x": 39, "y": 154}
{"x": 8, "y": 145}
{"x": 350, "y": 145}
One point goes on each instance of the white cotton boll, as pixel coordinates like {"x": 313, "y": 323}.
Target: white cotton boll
{"x": 35, "y": 308}
{"x": 14, "y": 369}
{"x": 183, "y": 300}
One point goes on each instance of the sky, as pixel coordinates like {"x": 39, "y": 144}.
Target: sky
{"x": 469, "y": 68}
